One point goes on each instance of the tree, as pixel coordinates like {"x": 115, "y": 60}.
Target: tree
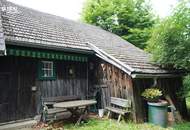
{"x": 170, "y": 41}
{"x": 130, "y": 19}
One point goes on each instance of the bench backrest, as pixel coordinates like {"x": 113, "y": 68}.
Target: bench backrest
{"x": 59, "y": 99}
{"x": 121, "y": 102}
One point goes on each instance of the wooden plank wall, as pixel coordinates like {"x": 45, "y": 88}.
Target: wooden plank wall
{"x": 65, "y": 84}
{"x": 103, "y": 77}
{"x": 172, "y": 86}
{"x": 18, "y": 91}
{"x": 140, "y": 105}
{"x": 9, "y": 90}
{"x": 114, "y": 82}
{"x": 23, "y": 73}
{"x": 111, "y": 81}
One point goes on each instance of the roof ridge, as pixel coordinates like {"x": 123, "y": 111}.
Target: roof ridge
{"x": 35, "y": 10}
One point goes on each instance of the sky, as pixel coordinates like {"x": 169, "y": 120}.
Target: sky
{"x": 71, "y": 9}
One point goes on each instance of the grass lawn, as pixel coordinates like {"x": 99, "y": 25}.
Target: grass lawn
{"x": 96, "y": 124}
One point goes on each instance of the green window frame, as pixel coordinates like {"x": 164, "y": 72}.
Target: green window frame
{"x": 46, "y": 70}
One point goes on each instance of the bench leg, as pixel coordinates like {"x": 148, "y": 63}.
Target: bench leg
{"x": 109, "y": 112}
{"x": 119, "y": 118}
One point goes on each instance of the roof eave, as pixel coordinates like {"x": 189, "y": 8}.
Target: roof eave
{"x": 50, "y": 47}
{"x": 157, "y": 75}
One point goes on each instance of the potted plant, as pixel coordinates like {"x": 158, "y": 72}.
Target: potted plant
{"x": 152, "y": 94}
{"x": 157, "y": 108}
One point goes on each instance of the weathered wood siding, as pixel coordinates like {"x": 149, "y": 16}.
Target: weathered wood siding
{"x": 17, "y": 95}
{"x": 172, "y": 86}
{"x": 140, "y": 107}
{"x": 19, "y": 74}
{"x": 111, "y": 81}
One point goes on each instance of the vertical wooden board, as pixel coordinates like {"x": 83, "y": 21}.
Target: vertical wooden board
{"x": 64, "y": 87}
{"x": 44, "y": 89}
{"x": 58, "y": 89}
{"x": 83, "y": 88}
{"x": 38, "y": 97}
{"x": 54, "y": 85}
{"x": 67, "y": 86}
{"x": 76, "y": 87}
{"x": 139, "y": 103}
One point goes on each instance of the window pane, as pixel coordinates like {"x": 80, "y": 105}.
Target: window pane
{"x": 52, "y": 72}
{"x": 48, "y": 65}
{"x": 45, "y": 73}
{"x": 47, "y": 70}
{"x": 49, "y": 73}
{"x": 51, "y": 65}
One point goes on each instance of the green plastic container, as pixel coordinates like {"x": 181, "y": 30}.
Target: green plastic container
{"x": 157, "y": 113}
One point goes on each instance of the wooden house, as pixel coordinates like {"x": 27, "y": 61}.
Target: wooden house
{"x": 43, "y": 55}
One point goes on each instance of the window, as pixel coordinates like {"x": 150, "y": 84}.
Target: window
{"x": 46, "y": 70}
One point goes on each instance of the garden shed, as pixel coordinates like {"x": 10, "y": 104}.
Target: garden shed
{"x": 43, "y": 55}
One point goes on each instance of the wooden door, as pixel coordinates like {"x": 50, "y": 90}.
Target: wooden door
{"x": 7, "y": 99}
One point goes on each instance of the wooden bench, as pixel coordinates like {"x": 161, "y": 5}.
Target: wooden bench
{"x": 119, "y": 106}
{"x": 49, "y": 110}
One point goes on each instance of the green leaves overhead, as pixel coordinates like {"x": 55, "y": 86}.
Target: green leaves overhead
{"x": 130, "y": 19}
{"x": 170, "y": 41}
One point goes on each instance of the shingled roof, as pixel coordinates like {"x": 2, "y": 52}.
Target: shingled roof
{"x": 28, "y": 27}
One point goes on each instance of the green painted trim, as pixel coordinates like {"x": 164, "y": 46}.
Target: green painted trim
{"x": 45, "y": 54}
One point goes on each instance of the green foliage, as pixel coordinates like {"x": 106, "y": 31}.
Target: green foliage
{"x": 151, "y": 93}
{"x": 188, "y": 104}
{"x": 95, "y": 124}
{"x": 186, "y": 88}
{"x": 170, "y": 41}
{"x": 130, "y": 19}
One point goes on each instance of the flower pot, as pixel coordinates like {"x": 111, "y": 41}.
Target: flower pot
{"x": 101, "y": 112}
{"x": 155, "y": 99}
{"x": 157, "y": 113}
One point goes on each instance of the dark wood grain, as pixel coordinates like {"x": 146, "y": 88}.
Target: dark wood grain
{"x": 19, "y": 74}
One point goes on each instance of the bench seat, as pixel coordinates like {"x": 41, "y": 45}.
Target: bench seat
{"x": 119, "y": 106}
{"x": 117, "y": 110}
{"x": 55, "y": 110}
